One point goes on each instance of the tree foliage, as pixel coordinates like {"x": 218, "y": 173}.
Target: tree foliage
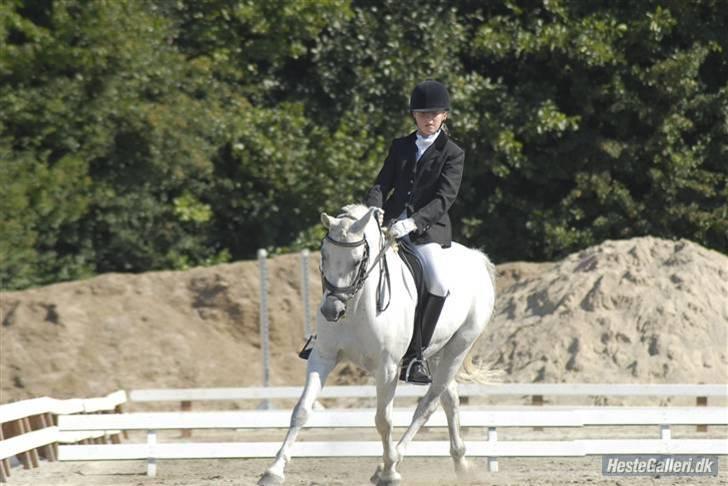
{"x": 139, "y": 135}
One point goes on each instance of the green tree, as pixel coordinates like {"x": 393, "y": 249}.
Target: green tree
{"x": 600, "y": 121}
{"x": 141, "y": 135}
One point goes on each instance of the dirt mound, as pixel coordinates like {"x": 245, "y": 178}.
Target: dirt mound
{"x": 643, "y": 310}
{"x": 640, "y": 310}
{"x": 159, "y": 329}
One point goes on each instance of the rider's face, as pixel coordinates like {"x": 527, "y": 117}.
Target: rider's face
{"x": 429, "y": 122}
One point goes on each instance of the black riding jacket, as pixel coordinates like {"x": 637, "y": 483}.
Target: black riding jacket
{"x": 425, "y": 188}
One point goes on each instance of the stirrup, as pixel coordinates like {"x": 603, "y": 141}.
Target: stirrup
{"x": 308, "y": 347}
{"x": 407, "y": 377}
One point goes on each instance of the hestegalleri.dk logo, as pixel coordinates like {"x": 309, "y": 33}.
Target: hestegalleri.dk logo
{"x": 662, "y": 465}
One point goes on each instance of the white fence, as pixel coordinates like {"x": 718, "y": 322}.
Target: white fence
{"x": 31, "y": 431}
{"x": 464, "y": 390}
{"x": 28, "y": 427}
{"x": 489, "y": 419}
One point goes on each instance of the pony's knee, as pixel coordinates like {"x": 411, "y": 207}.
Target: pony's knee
{"x": 300, "y": 415}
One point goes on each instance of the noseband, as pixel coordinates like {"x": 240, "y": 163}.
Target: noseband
{"x": 361, "y": 275}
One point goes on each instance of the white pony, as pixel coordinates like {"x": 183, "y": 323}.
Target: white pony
{"x": 353, "y": 324}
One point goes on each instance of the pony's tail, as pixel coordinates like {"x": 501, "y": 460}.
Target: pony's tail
{"x": 475, "y": 369}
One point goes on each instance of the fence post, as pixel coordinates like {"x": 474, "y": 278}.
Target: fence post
{"x": 24, "y": 457}
{"x": 492, "y": 460}
{"x": 701, "y": 402}
{"x": 4, "y": 463}
{"x": 152, "y": 459}
{"x": 537, "y": 400}
{"x": 304, "y": 290}
{"x": 186, "y": 406}
{"x": 262, "y": 263}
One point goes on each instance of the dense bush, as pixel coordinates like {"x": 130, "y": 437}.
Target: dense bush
{"x": 139, "y": 135}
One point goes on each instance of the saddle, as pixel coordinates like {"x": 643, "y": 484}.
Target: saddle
{"x": 412, "y": 261}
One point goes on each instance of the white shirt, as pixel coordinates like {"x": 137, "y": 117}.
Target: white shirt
{"x": 423, "y": 143}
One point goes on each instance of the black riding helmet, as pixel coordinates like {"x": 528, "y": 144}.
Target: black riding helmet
{"x": 430, "y": 96}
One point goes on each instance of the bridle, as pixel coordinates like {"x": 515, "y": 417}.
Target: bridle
{"x": 362, "y": 273}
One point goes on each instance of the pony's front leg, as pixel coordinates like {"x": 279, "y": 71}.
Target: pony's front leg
{"x": 318, "y": 369}
{"x": 386, "y": 474}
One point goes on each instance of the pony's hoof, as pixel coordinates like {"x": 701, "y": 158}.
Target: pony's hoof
{"x": 463, "y": 470}
{"x": 270, "y": 479}
{"x": 379, "y": 479}
{"x": 375, "y": 477}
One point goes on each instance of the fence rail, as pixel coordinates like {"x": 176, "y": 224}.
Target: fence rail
{"x": 333, "y": 418}
{"x": 43, "y": 427}
{"x": 487, "y": 418}
{"x": 28, "y": 427}
{"x": 464, "y": 390}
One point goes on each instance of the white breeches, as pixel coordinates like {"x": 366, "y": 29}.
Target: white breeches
{"x": 434, "y": 259}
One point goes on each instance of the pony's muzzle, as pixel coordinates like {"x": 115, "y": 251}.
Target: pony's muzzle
{"x": 333, "y": 308}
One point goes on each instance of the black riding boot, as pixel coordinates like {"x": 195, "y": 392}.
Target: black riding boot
{"x": 414, "y": 368}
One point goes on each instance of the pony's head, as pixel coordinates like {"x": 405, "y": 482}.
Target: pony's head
{"x": 344, "y": 257}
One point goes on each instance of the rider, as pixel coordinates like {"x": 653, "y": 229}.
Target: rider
{"x": 416, "y": 186}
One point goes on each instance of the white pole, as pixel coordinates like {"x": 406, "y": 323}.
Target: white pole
{"x": 264, "y": 334}
{"x": 493, "y": 460}
{"x": 304, "y": 290}
{"x": 151, "y": 453}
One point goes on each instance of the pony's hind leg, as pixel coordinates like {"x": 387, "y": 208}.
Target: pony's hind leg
{"x": 451, "y": 357}
{"x": 451, "y": 404}
{"x": 386, "y": 473}
{"x": 318, "y": 369}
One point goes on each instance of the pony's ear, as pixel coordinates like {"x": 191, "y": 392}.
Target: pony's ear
{"x": 358, "y": 226}
{"x": 326, "y": 220}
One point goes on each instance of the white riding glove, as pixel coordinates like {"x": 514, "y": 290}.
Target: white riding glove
{"x": 402, "y": 228}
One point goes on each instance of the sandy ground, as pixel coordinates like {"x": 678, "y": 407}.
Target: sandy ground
{"x": 356, "y": 471}
{"x": 340, "y": 472}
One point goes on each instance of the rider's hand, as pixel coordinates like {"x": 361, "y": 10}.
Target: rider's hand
{"x": 402, "y": 228}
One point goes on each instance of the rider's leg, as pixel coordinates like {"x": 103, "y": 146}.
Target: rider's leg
{"x": 428, "y": 312}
